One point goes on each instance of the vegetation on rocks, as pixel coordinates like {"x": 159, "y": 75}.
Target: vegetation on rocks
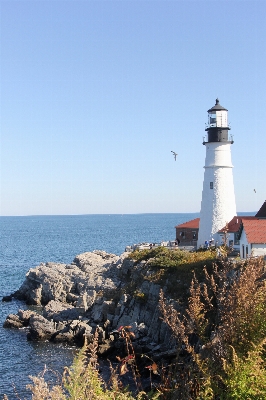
{"x": 162, "y": 257}
{"x": 174, "y": 269}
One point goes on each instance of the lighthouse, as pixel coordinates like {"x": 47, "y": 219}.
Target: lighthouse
{"x": 218, "y": 204}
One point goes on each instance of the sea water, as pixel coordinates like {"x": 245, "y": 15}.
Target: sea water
{"x": 27, "y": 241}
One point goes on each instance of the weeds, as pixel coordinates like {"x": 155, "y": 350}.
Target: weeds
{"x": 221, "y": 335}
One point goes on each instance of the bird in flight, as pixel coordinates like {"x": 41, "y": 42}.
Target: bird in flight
{"x": 174, "y": 154}
{"x": 255, "y": 190}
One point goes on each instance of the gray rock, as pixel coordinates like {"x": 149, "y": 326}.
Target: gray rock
{"x": 94, "y": 289}
{"x": 58, "y": 312}
{"x": 40, "y": 328}
{"x": 72, "y": 298}
{"x": 24, "y": 316}
{"x": 64, "y": 337}
{"x": 97, "y": 314}
{"x": 7, "y": 298}
{"x": 12, "y": 321}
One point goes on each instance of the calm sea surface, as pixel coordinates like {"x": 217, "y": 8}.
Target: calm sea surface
{"x": 27, "y": 241}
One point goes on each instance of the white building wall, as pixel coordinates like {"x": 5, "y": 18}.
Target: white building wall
{"x": 258, "y": 249}
{"x": 230, "y": 239}
{"x": 244, "y": 246}
{"x": 218, "y": 205}
{"x": 254, "y": 249}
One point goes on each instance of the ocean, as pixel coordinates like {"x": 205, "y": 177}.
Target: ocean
{"x": 27, "y": 241}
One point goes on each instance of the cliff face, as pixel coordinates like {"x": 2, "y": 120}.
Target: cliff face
{"x": 96, "y": 290}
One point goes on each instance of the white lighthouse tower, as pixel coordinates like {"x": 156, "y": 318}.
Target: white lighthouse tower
{"x": 218, "y": 204}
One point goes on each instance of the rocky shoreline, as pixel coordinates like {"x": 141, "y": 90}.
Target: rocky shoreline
{"x": 99, "y": 291}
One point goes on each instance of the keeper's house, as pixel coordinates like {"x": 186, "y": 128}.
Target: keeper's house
{"x": 247, "y": 234}
{"x": 232, "y": 232}
{"x": 253, "y": 235}
{"x": 253, "y": 238}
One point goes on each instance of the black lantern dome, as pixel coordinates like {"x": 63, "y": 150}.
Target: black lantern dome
{"x": 217, "y": 126}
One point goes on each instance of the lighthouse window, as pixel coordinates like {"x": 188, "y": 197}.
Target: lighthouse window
{"x": 211, "y": 185}
{"x": 212, "y": 119}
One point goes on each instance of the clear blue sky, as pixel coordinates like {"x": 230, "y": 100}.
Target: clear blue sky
{"x": 96, "y": 94}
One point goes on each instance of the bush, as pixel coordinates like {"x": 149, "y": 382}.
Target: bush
{"x": 246, "y": 376}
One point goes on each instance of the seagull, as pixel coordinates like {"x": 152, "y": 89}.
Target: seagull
{"x": 255, "y": 190}
{"x": 175, "y": 154}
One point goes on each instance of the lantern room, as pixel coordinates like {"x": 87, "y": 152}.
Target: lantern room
{"x": 217, "y": 126}
{"x": 217, "y": 116}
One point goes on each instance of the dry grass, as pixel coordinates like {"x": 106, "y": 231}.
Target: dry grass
{"x": 221, "y": 335}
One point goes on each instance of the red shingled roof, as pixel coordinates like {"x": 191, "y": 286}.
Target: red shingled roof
{"x": 193, "y": 224}
{"x": 234, "y": 224}
{"x": 255, "y": 230}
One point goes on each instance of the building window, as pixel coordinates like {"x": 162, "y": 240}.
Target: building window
{"x": 211, "y": 185}
{"x": 246, "y": 251}
{"x": 194, "y": 235}
{"x": 236, "y": 238}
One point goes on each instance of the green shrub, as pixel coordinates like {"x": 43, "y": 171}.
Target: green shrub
{"x": 174, "y": 269}
{"x": 246, "y": 376}
{"x": 163, "y": 257}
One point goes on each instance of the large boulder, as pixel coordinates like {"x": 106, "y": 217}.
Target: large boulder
{"x": 7, "y": 298}
{"x": 13, "y": 321}
{"x": 66, "y": 283}
{"x": 59, "y": 312}
{"x": 50, "y": 281}
{"x": 19, "y": 320}
{"x": 40, "y": 328}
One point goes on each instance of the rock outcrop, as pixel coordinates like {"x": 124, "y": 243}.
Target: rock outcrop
{"x": 96, "y": 290}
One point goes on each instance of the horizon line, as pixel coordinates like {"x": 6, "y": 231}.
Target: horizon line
{"x": 106, "y": 214}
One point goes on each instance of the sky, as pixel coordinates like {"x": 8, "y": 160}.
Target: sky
{"x": 96, "y": 94}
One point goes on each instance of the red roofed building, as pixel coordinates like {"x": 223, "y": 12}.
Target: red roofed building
{"x": 187, "y": 233}
{"x": 253, "y": 238}
{"x": 233, "y": 232}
